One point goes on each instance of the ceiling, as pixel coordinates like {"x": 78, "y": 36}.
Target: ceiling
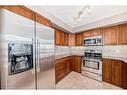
{"x": 66, "y": 14}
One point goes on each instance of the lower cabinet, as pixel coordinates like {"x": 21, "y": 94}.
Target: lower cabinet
{"x": 65, "y": 65}
{"x": 76, "y": 64}
{"x": 124, "y": 75}
{"x": 115, "y": 72}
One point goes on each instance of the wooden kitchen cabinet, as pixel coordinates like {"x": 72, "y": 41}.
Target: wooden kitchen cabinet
{"x": 106, "y": 70}
{"x": 71, "y": 39}
{"x": 65, "y": 65}
{"x": 66, "y": 39}
{"x": 76, "y": 63}
{"x": 110, "y": 35}
{"x": 28, "y": 13}
{"x": 62, "y": 68}
{"x": 61, "y": 38}
{"x": 57, "y": 37}
{"x": 116, "y": 72}
{"x": 79, "y": 39}
{"x": 122, "y": 34}
{"x": 124, "y": 75}
{"x": 94, "y": 32}
{"x": 20, "y": 10}
{"x": 42, "y": 20}
{"x": 112, "y": 71}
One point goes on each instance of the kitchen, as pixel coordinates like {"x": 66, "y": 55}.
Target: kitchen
{"x": 61, "y": 57}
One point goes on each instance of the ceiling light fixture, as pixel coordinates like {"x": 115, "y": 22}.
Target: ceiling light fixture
{"x": 80, "y": 14}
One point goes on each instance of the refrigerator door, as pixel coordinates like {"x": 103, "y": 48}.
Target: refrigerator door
{"x": 19, "y": 31}
{"x": 45, "y": 57}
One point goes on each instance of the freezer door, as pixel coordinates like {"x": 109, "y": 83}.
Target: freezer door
{"x": 45, "y": 57}
{"x": 15, "y": 29}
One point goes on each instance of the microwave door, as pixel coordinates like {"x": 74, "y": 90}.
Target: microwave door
{"x": 45, "y": 56}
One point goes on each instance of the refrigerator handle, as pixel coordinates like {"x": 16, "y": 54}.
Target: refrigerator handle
{"x": 38, "y": 55}
{"x": 33, "y": 43}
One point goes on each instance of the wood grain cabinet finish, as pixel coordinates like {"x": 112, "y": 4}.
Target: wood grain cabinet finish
{"x": 112, "y": 71}
{"x": 94, "y": 32}
{"x": 116, "y": 72}
{"x": 106, "y": 70}
{"x": 71, "y": 40}
{"x": 62, "y": 68}
{"x": 124, "y": 75}
{"x": 57, "y": 37}
{"x": 76, "y": 63}
{"x": 65, "y": 39}
{"x": 65, "y": 65}
{"x": 122, "y": 34}
{"x": 61, "y": 38}
{"x": 42, "y": 20}
{"x": 26, "y": 12}
{"x": 110, "y": 35}
{"x": 20, "y": 10}
{"x": 79, "y": 39}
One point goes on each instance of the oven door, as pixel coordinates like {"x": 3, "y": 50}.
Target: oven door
{"x": 92, "y": 66}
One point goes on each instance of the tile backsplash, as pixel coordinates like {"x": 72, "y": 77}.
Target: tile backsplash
{"x": 111, "y": 50}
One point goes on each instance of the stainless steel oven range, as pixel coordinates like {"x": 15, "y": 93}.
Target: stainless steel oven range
{"x": 92, "y": 64}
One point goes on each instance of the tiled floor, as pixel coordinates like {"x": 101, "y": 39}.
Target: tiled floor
{"x": 77, "y": 81}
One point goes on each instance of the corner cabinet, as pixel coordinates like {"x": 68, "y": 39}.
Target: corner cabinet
{"x": 61, "y": 38}
{"x": 65, "y": 65}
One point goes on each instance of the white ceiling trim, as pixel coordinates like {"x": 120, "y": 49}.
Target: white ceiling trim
{"x": 50, "y": 16}
{"x": 120, "y": 18}
{"x": 104, "y": 22}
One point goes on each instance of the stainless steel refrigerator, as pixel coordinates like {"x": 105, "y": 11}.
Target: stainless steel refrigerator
{"x": 26, "y": 53}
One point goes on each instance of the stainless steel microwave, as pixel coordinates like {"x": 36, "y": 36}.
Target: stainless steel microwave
{"x": 95, "y": 40}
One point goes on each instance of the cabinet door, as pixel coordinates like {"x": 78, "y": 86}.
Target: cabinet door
{"x": 68, "y": 65}
{"x": 43, "y": 20}
{"x": 60, "y": 69}
{"x": 97, "y": 32}
{"x": 106, "y": 70}
{"x": 21, "y": 10}
{"x": 77, "y": 64}
{"x": 124, "y": 75}
{"x": 116, "y": 72}
{"x": 94, "y": 32}
{"x": 57, "y": 37}
{"x": 110, "y": 35}
{"x": 71, "y": 39}
{"x": 79, "y": 39}
{"x": 123, "y": 34}
{"x": 65, "y": 39}
{"x": 87, "y": 33}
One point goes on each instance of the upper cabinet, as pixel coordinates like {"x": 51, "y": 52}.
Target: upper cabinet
{"x": 94, "y": 32}
{"x": 61, "y": 38}
{"x": 122, "y": 34}
{"x": 26, "y": 12}
{"x": 43, "y": 20}
{"x": 71, "y": 39}
{"x": 110, "y": 35}
{"x": 20, "y": 10}
{"x": 79, "y": 39}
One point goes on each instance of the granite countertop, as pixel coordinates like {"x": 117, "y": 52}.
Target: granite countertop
{"x": 66, "y": 55}
{"x": 122, "y": 58}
